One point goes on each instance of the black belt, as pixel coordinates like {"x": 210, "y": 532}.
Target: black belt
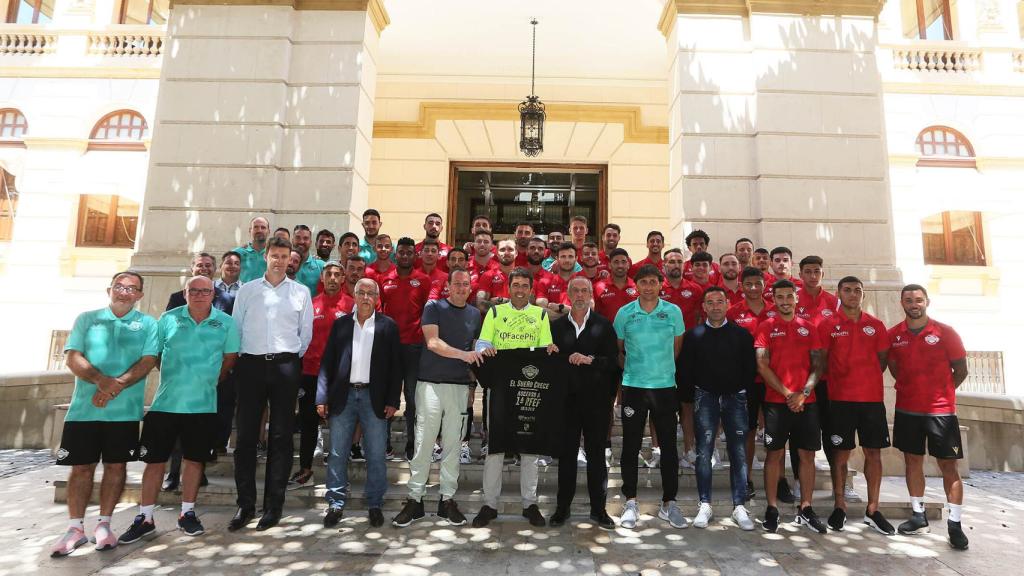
{"x": 359, "y": 385}
{"x": 279, "y": 357}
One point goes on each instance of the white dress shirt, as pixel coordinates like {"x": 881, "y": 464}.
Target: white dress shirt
{"x": 272, "y": 320}
{"x": 362, "y": 347}
{"x": 579, "y": 327}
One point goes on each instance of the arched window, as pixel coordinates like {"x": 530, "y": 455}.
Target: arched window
{"x": 12, "y": 124}
{"x": 121, "y": 130}
{"x": 943, "y": 146}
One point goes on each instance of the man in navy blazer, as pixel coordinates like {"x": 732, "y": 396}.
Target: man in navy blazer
{"x": 360, "y": 381}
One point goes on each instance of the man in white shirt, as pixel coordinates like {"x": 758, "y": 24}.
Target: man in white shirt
{"x": 275, "y": 319}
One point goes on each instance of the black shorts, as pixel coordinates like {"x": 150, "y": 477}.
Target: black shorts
{"x": 755, "y": 399}
{"x": 910, "y": 431}
{"x": 800, "y": 429}
{"x": 161, "y": 430}
{"x": 865, "y": 419}
{"x": 90, "y": 442}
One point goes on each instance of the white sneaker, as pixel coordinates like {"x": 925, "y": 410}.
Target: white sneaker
{"x": 851, "y": 495}
{"x": 672, "y": 514}
{"x": 318, "y": 452}
{"x": 630, "y": 515}
{"x": 757, "y": 464}
{"x": 742, "y": 518}
{"x": 796, "y": 490}
{"x": 822, "y": 466}
{"x": 483, "y": 452}
{"x": 655, "y": 460}
{"x": 686, "y": 464}
{"x": 581, "y": 458}
{"x": 465, "y": 457}
{"x": 608, "y": 457}
{"x": 690, "y": 457}
{"x": 704, "y": 515}
{"x": 435, "y": 456}
{"x": 543, "y": 461}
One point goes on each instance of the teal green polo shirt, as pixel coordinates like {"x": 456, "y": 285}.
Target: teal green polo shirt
{"x": 254, "y": 263}
{"x": 309, "y": 274}
{"x": 191, "y": 359}
{"x": 649, "y": 339}
{"x": 367, "y": 252}
{"x": 112, "y": 345}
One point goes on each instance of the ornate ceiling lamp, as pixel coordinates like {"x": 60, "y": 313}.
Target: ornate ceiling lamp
{"x": 531, "y": 111}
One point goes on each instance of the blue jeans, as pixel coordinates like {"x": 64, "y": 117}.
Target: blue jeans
{"x": 358, "y": 408}
{"x": 731, "y": 409}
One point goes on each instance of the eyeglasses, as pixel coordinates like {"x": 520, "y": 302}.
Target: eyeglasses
{"x": 200, "y": 291}
{"x": 364, "y": 294}
{"x": 122, "y": 289}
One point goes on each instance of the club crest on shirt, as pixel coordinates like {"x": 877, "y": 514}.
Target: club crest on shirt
{"x": 62, "y": 454}
{"x": 216, "y": 323}
{"x": 143, "y": 451}
{"x": 686, "y": 293}
{"x": 803, "y": 331}
{"x": 869, "y": 330}
{"x": 414, "y": 283}
{"x": 530, "y": 371}
{"x": 661, "y": 315}
{"x": 627, "y": 411}
{"x": 836, "y": 439}
{"x": 134, "y": 326}
{"x": 931, "y": 339}
{"x": 630, "y": 291}
{"x": 826, "y": 313}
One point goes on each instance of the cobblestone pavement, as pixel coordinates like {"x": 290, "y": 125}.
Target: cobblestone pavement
{"x": 1009, "y": 485}
{"x": 15, "y": 462}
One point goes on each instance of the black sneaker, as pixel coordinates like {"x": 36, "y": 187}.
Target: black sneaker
{"x": 879, "y": 523}
{"x": 916, "y": 524}
{"x": 138, "y": 530}
{"x": 750, "y": 491}
{"x": 559, "y": 517}
{"x": 532, "y": 513}
{"x": 604, "y": 521}
{"x": 333, "y": 516}
{"x": 484, "y": 516}
{"x": 189, "y": 523}
{"x": 357, "y": 454}
{"x": 837, "y": 520}
{"x": 784, "y": 494}
{"x": 957, "y": 538}
{"x": 376, "y": 517}
{"x": 807, "y": 517}
{"x": 449, "y": 510}
{"x": 771, "y": 519}
{"x": 411, "y": 512}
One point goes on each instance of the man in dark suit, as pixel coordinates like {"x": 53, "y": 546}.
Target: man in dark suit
{"x": 360, "y": 381}
{"x": 589, "y": 341}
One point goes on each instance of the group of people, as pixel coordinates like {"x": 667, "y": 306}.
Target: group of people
{"x": 737, "y": 345}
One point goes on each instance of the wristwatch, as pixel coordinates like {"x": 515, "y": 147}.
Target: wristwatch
{"x": 808, "y": 392}
{"x": 561, "y": 308}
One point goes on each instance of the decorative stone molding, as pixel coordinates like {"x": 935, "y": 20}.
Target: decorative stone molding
{"x": 747, "y": 7}
{"x": 374, "y": 8}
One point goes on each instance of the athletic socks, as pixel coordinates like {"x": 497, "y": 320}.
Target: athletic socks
{"x": 104, "y": 519}
{"x": 954, "y": 511}
{"x": 917, "y": 504}
{"x": 187, "y": 507}
{"x": 147, "y": 511}
{"x": 77, "y": 523}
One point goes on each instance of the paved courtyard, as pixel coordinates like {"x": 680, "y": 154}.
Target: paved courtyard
{"x": 30, "y": 521}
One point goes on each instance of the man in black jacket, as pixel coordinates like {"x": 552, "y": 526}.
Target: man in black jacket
{"x": 360, "y": 381}
{"x": 717, "y": 364}
{"x": 589, "y": 341}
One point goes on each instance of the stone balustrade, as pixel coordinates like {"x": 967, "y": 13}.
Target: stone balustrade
{"x": 937, "y": 57}
{"x": 49, "y": 50}
{"x": 134, "y": 41}
{"x": 27, "y": 40}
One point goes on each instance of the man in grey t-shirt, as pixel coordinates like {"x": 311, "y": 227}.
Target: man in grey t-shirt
{"x": 449, "y": 327}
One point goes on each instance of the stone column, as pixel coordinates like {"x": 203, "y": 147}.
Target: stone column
{"x": 777, "y": 132}
{"x": 265, "y": 108}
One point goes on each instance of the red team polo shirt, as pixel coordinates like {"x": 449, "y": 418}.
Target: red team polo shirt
{"x": 442, "y": 255}
{"x": 494, "y": 282}
{"x": 854, "y": 374}
{"x": 734, "y": 296}
{"x": 789, "y": 344}
{"x": 715, "y": 274}
{"x": 476, "y": 270}
{"x": 741, "y": 314}
{"x": 769, "y": 293}
{"x": 521, "y": 261}
{"x": 687, "y": 297}
{"x": 372, "y": 273}
{"x": 636, "y": 267}
{"x": 438, "y": 283}
{"x": 812, "y": 308}
{"x": 403, "y": 300}
{"x": 326, "y": 309}
{"x": 925, "y": 382}
{"x": 552, "y": 287}
{"x": 608, "y": 297}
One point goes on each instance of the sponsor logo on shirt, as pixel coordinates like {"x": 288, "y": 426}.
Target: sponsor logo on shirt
{"x": 777, "y": 333}
{"x": 869, "y": 330}
{"x": 931, "y": 339}
{"x": 840, "y": 333}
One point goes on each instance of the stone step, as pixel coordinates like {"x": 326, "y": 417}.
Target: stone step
{"x": 221, "y": 492}
{"x": 471, "y": 475}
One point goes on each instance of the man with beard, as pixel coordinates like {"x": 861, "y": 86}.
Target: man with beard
{"x": 763, "y": 262}
{"x": 404, "y": 293}
{"x": 294, "y": 262}
{"x": 310, "y": 266}
{"x": 610, "y": 238}
{"x": 492, "y": 286}
{"x": 534, "y": 256}
{"x": 483, "y": 254}
{"x": 729, "y": 266}
{"x": 325, "y": 240}
{"x": 254, "y": 263}
{"x": 550, "y": 292}
{"x": 432, "y": 226}
{"x": 371, "y": 230}
{"x": 744, "y": 251}
{"x": 682, "y": 292}
{"x": 591, "y": 262}
{"x": 523, "y": 234}
{"x": 655, "y": 243}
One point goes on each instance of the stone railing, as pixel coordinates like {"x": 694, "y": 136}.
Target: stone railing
{"x": 26, "y": 40}
{"x": 27, "y": 418}
{"x": 135, "y": 42}
{"x": 937, "y": 58}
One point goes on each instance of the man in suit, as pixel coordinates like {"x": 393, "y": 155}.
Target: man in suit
{"x": 360, "y": 381}
{"x": 589, "y": 341}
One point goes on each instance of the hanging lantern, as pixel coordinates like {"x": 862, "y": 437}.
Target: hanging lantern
{"x": 531, "y": 111}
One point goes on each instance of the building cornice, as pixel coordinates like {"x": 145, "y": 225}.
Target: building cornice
{"x": 673, "y": 8}
{"x": 373, "y": 8}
